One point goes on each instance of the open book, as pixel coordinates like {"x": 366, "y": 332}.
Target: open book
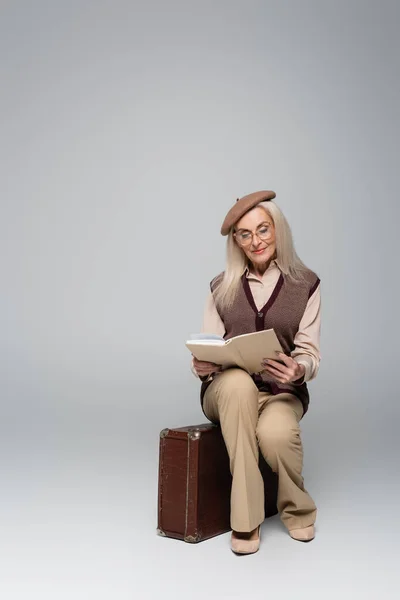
{"x": 245, "y": 351}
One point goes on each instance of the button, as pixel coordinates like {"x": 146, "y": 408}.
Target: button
{"x": 260, "y": 314}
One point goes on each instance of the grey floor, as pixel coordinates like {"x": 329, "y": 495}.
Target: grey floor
{"x": 79, "y": 509}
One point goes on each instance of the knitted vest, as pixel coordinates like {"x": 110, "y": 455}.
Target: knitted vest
{"x": 282, "y": 312}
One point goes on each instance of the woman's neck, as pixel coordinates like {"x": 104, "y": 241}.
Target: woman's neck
{"x": 259, "y": 270}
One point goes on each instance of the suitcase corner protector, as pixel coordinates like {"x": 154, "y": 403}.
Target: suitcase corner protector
{"x": 164, "y": 433}
{"x": 192, "y": 539}
{"x": 161, "y": 532}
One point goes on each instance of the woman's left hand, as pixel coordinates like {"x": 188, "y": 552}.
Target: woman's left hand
{"x": 283, "y": 373}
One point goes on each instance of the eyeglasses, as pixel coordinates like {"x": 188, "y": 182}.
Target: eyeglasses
{"x": 245, "y": 237}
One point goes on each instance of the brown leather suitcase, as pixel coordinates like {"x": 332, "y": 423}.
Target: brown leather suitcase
{"x": 194, "y": 483}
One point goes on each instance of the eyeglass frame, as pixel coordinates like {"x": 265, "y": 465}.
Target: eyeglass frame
{"x": 253, "y": 233}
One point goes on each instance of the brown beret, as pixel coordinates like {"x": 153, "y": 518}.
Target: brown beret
{"x": 241, "y": 207}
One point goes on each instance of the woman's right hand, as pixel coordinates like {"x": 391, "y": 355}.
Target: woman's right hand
{"x": 203, "y": 367}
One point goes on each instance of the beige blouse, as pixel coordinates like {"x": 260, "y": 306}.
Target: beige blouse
{"x": 307, "y": 339}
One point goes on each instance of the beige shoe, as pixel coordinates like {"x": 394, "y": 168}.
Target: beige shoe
{"x": 245, "y": 546}
{"x": 303, "y": 534}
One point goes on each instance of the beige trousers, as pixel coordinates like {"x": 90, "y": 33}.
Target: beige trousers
{"x": 250, "y": 420}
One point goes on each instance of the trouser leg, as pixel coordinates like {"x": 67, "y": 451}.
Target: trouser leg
{"x": 232, "y": 400}
{"x": 278, "y": 435}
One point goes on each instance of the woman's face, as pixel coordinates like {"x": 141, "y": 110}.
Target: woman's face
{"x": 259, "y": 250}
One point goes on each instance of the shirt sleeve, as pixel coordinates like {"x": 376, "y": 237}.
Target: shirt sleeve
{"x": 212, "y": 322}
{"x": 307, "y": 339}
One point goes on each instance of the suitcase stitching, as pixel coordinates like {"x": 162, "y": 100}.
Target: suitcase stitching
{"x": 187, "y": 484}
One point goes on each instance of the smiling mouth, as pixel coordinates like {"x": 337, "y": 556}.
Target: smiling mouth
{"x": 259, "y": 251}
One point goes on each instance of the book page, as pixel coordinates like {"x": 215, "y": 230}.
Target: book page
{"x": 216, "y": 353}
{"x": 235, "y": 354}
{"x": 252, "y": 348}
{"x": 206, "y": 338}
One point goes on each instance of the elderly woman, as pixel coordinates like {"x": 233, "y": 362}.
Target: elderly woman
{"x": 265, "y": 285}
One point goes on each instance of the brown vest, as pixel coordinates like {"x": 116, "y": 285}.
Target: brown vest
{"x": 282, "y": 312}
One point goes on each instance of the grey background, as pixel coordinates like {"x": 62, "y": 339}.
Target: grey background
{"x": 127, "y": 131}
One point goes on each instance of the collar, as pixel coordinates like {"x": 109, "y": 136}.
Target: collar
{"x": 272, "y": 265}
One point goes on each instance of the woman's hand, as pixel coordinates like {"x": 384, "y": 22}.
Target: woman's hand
{"x": 203, "y": 367}
{"x": 283, "y": 373}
